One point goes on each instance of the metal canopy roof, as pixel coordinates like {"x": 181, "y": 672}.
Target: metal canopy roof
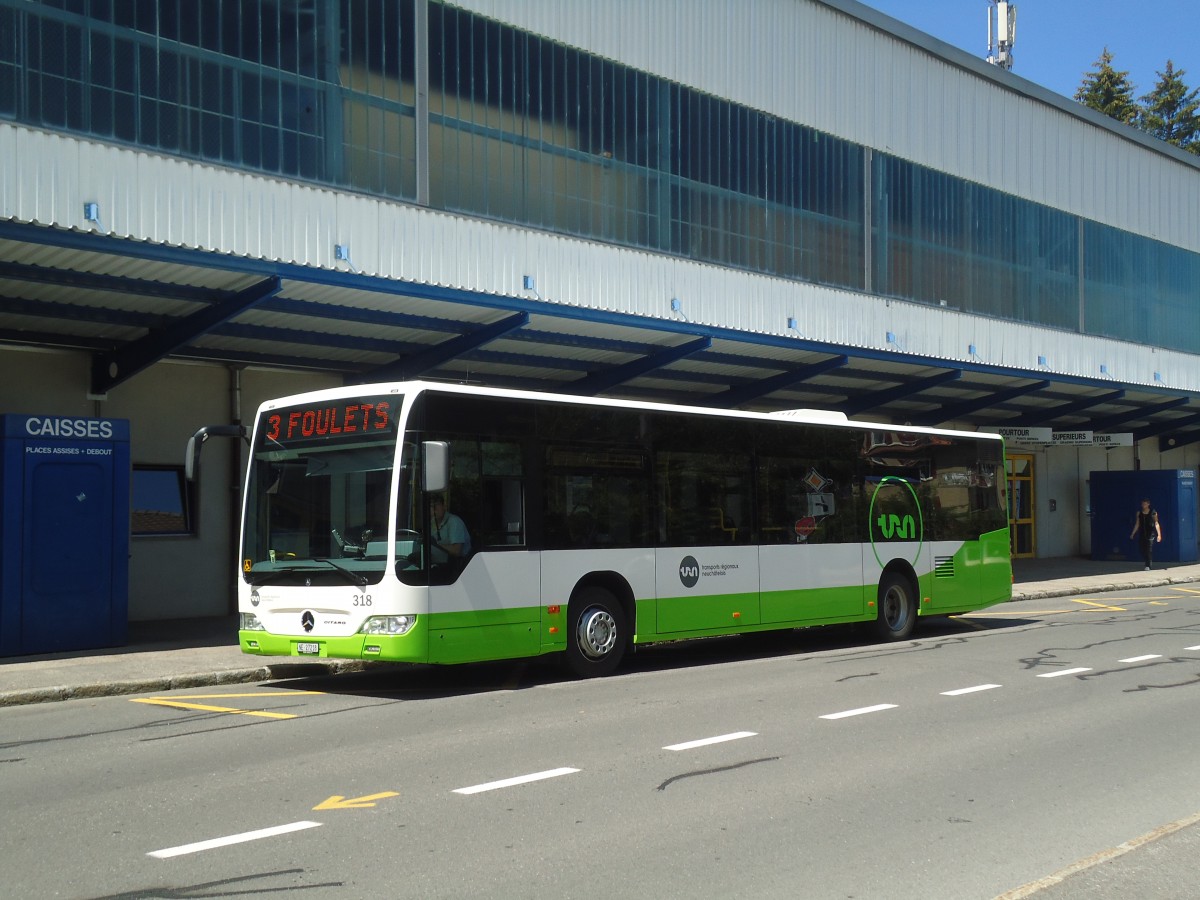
{"x": 131, "y": 304}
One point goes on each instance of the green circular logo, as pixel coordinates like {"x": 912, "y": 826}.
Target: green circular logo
{"x": 892, "y": 527}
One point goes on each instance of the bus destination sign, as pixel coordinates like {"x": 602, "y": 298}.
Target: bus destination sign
{"x": 339, "y": 419}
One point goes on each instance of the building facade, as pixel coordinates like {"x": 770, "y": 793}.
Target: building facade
{"x": 772, "y": 204}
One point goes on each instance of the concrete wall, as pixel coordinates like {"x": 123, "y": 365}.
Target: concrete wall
{"x": 1061, "y": 474}
{"x": 169, "y": 576}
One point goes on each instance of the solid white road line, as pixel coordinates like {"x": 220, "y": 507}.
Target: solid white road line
{"x": 860, "y": 712}
{"x": 1142, "y": 658}
{"x": 232, "y": 839}
{"x": 704, "y": 742}
{"x": 512, "y": 782}
{"x": 970, "y": 690}
{"x": 1064, "y": 672}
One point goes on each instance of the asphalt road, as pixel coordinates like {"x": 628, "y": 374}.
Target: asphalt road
{"x": 979, "y": 759}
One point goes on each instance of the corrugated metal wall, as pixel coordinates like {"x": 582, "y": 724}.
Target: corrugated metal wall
{"x": 821, "y": 65}
{"x": 799, "y": 58}
{"x": 142, "y": 196}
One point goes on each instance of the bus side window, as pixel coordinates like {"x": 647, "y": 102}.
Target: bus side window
{"x": 704, "y": 497}
{"x": 502, "y": 511}
{"x": 596, "y": 496}
{"x": 487, "y": 490}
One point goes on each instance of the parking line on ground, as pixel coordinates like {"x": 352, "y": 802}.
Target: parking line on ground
{"x": 204, "y": 707}
{"x": 1100, "y": 605}
{"x": 282, "y": 693}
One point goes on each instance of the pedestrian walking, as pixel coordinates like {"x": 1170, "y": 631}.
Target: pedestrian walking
{"x": 1147, "y": 530}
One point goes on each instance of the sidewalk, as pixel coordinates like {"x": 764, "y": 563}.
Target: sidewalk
{"x": 1034, "y": 579}
{"x": 160, "y": 656}
{"x": 190, "y": 653}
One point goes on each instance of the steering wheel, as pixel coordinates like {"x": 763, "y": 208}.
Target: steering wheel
{"x": 414, "y": 558}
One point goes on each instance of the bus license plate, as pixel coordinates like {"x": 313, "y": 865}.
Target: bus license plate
{"x": 308, "y": 649}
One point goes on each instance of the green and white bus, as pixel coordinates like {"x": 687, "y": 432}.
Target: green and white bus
{"x": 596, "y": 526}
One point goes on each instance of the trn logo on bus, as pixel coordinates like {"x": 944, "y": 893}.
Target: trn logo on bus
{"x": 689, "y": 571}
{"x": 892, "y": 526}
{"x": 895, "y": 516}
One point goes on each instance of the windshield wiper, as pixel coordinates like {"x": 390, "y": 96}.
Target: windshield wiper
{"x": 350, "y": 575}
{"x": 354, "y": 578}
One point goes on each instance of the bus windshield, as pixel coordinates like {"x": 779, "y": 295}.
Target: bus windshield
{"x": 318, "y": 492}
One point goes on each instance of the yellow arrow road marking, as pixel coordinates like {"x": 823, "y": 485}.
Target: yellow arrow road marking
{"x": 1101, "y": 605}
{"x": 221, "y": 709}
{"x": 337, "y": 801}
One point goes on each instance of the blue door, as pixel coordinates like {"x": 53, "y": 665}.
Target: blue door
{"x": 67, "y": 598}
{"x": 1187, "y": 515}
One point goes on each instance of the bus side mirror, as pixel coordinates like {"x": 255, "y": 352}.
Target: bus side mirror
{"x": 436, "y": 465}
{"x": 191, "y": 460}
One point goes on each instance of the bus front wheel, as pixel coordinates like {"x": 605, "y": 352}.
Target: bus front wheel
{"x": 597, "y": 633}
{"x": 897, "y": 608}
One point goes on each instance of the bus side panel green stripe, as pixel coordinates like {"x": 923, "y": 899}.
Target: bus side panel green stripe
{"x": 997, "y": 582}
{"x": 816, "y": 603}
{"x": 484, "y": 634}
{"x": 979, "y": 575}
{"x": 690, "y": 613}
{"x": 713, "y": 615}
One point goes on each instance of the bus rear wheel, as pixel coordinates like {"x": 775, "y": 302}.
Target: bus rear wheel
{"x": 897, "y": 604}
{"x": 597, "y": 633}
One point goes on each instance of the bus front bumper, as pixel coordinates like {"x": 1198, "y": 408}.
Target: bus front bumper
{"x": 412, "y": 646}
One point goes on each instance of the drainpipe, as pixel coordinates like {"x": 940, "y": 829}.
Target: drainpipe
{"x": 235, "y": 485}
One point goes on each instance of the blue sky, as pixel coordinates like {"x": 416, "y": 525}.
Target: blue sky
{"x": 1059, "y": 40}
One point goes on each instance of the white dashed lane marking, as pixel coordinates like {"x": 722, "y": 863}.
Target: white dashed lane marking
{"x": 242, "y": 838}
{"x": 719, "y": 739}
{"x": 862, "y": 711}
{"x": 260, "y": 834}
{"x": 971, "y": 690}
{"x": 1075, "y": 671}
{"x": 513, "y": 782}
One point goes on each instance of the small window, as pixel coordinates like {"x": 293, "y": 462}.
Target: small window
{"x": 161, "y": 501}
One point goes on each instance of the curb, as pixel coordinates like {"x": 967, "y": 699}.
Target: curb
{"x": 1061, "y": 589}
{"x": 178, "y": 682}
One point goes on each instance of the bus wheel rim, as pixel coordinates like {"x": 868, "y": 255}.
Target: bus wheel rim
{"x": 597, "y": 633}
{"x": 895, "y": 611}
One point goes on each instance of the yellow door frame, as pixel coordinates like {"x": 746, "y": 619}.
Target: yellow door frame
{"x": 1022, "y": 529}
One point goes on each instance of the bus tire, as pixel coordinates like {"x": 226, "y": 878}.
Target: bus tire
{"x": 597, "y": 633}
{"x": 897, "y": 603}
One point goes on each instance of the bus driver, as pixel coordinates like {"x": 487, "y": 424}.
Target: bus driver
{"x": 449, "y": 532}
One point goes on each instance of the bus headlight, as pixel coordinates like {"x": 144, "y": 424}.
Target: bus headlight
{"x": 250, "y": 623}
{"x": 388, "y": 625}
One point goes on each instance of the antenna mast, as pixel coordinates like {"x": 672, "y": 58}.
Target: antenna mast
{"x": 1002, "y": 33}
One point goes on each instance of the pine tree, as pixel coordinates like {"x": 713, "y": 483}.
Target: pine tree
{"x": 1108, "y": 91}
{"x": 1171, "y": 112}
